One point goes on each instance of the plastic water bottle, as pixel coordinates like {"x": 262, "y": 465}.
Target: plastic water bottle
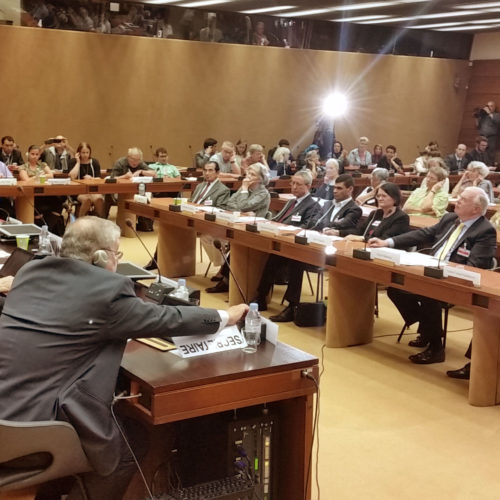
{"x": 181, "y": 292}
{"x": 253, "y": 324}
{"x": 44, "y": 245}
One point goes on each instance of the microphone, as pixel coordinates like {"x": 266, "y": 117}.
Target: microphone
{"x": 130, "y": 224}
{"x": 218, "y": 245}
{"x": 40, "y": 215}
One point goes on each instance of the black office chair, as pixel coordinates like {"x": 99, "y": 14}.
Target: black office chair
{"x": 32, "y": 453}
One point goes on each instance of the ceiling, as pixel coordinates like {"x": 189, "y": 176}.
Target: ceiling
{"x": 440, "y": 15}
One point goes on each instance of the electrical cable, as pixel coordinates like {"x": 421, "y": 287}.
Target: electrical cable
{"x": 129, "y": 447}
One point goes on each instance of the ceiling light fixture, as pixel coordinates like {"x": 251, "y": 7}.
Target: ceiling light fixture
{"x": 359, "y": 18}
{"x": 203, "y": 3}
{"x": 466, "y": 28}
{"x": 268, "y": 9}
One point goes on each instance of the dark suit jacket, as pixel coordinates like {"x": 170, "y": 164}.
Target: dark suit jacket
{"x": 17, "y": 157}
{"x": 308, "y": 209}
{"x": 219, "y": 194}
{"x": 346, "y": 218}
{"x": 63, "y": 331}
{"x": 480, "y": 240}
{"x": 451, "y": 162}
{"x": 325, "y": 191}
{"x": 397, "y": 223}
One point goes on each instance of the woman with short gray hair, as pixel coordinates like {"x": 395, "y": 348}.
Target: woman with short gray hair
{"x": 474, "y": 176}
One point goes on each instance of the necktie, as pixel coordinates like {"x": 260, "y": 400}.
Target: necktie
{"x": 451, "y": 241}
{"x": 288, "y": 212}
{"x": 202, "y": 193}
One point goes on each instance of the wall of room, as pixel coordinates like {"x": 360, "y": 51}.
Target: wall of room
{"x": 117, "y": 91}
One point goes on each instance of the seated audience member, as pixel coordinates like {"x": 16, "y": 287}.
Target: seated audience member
{"x": 58, "y": 364}
{"x": 301, "y": 211}
{"x": 5, "y": 286}
{"x": 341, "y": 214}
{"x": 480, "y": 153}
{"x": 34, "y": 167}
{"x": 282, "y": 143}
{"x": 4, "y": 171}
{"x": 241, "y": 151}
{"x": 465, "y": 237}
{"x": 385, "y": 222}
{"x": 360, "y": 156}
{"x": 162, "y": 167}
{"x": 226, "y": 160}
{"x": 252, "y": 197}
{"x": 281, "y": 161}
{"x": 325, "y": 191}
{"x": 378, "y": 153}
{"x": 369, "y": 194}
{"x": 9, "y": 154}
{"x": 390, "y": 160}
{"x": 254, "y": 155}
{"x": 495, "y": 220}
{"x": 209, "y": 149}
{"x": 475, "y": 176}
{"x": 259, "y": 37}
{"x": 431, "y": 198}
{"x": 430, "y": 151}
{"x": 458, "y": 161}
{"x": 488, "y": 125}
{"x": 57, "y": 153}
{"x": 83, "y": 166}
{"x": 313, "y": 162}
{"x": 131, "y": 165}
{"x": 340, "y": 154}
{"x": 211, "y": 33}
{"x": 211, "y": 192}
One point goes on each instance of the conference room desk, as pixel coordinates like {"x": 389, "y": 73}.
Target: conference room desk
{"x": 351, "y": 289}
{"x": 175, "y": 389}
{"x": 26, "y": 191}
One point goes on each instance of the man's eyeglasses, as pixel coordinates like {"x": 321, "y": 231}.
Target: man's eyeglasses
{"x": 118, "y": 253}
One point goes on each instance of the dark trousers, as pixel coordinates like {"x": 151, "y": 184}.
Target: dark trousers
{"x": 417, "y": 308}
{"x": 294, "y": 270}
{"x": 113, "y": 486}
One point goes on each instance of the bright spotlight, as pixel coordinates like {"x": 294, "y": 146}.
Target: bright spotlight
{"x": 335, "y": 105}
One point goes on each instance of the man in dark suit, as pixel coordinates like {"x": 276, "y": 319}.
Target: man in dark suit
{"x": 340, "y": 214}
{"x": 458, "y": 161}
{"x": 8, "y": 154}
{"x": 59, "y": 359}
{"x": 300, "y": 211}
{"x": 325, "y": 191}
{"x": 211, "y": 191}
{"x": 465, "y": 237}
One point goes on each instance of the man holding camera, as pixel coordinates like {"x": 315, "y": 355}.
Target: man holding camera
{"x": 488, "y": 123}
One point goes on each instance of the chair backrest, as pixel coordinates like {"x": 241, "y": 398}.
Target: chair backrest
{"x": 35, "y": 452}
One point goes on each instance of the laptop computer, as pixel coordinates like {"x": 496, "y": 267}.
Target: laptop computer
{"x": 16, "y": 260}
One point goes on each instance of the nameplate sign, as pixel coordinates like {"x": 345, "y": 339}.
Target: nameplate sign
{"x": 8, "y": 181}
{"x": 268, "y": 227}
{"x": 59, "y": 181}
{"x": 185, "y": 207}
{"x": 386, "y": 254}
{"x": 141, "y": 199}
{"x": 228, "y": 216}
{"x": 458, "y": 272}
{"x": 139, "y": 180}
{"x": 199, "y": 345}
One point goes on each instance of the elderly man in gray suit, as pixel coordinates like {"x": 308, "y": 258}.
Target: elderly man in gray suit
{"x": 59, "y": 359}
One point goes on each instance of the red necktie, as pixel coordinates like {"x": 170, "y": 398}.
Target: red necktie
{"x": 203, "y": 193}
{"x": 289, "y": 211}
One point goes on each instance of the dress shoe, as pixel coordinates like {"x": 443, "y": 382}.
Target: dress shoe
{"x": 151, "y": 266}
{"x": 428, "y": 357}
{"x": 261, "y": 301}
{"x": 216, "y": 277}
{"x": 418, "y": 342}
{"x": 462, "y": 373}
{"x": 286, "y": 315}
{"x": 220, "y": 287}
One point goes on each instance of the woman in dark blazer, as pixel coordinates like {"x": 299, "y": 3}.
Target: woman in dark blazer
{"x": 385, "y": 222}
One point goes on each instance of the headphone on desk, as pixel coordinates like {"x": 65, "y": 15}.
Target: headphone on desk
{"x": 100, "y": 258}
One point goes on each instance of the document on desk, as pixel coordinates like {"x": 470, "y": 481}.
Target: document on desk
{"x": 403, "y": 258}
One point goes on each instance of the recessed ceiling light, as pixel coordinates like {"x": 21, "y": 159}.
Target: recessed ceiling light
{"x": 466, "y": 28}
{"x": 300, "y": 13}
{"x": 483, "y": 5}
{"x": 437, "y": 15}
{"x": 202, "y": 3}
{"x": 268, "y": 9}
{"x": 435, "y": 25}
{"x": 359, "y": 18}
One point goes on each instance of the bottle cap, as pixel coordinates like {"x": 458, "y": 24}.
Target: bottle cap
{"x": 181, "y": 282}
{"x": 254, "y": 306}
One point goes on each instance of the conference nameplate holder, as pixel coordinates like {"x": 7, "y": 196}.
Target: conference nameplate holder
{"x": 59, "y": 181}
{"x": 231, "y": 217}
{"x": 8, "y": 181}
{"x": 386, "y": 254}
{"x": 462, "y": 274}
{"x": 142, "y": 179}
